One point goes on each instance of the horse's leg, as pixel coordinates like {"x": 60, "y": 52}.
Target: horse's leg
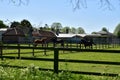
{"x": 91, "y": 46}
{"x": 85, "y": 46}
{"x": 42, "y": 44}
{"x": 35, "y": 44}
{"x": 45, "y": 44}
{"x": 54, "y": 44}
{"x": 62, "y": 44}
{"x": 80, "y": 45}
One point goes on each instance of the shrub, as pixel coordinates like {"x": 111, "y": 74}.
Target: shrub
{"x": 33, "y": 73}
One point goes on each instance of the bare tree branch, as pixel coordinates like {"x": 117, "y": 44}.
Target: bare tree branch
{"x": 105, "y": 4}
{"x": 19, "y": 2}
{"x": 77, "y": 4}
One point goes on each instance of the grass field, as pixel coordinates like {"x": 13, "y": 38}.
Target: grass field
{"x": 95, "y": 56}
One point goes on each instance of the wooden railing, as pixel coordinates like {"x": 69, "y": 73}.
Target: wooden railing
{"x": 56, "y": 59}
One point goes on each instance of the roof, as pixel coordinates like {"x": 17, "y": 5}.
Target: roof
{"x": 66, "y": 35}
{"x": 3, "y": 29}
{"x": 78, "y": 35}
{"x": 36, "y": 33}
{"x": 105, "y": 33}
{"x": 44, "y": 33}
{"x": 14, "y": 32}
{"x": 47, "y": 33}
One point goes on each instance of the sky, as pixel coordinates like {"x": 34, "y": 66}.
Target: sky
{"x": 40, "y": 12}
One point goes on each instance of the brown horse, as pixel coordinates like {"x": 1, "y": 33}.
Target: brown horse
{"x": 40, "y": 41}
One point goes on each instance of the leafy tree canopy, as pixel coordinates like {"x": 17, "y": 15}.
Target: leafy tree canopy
{"x": 2, "y": 25}
{"x": 104, "y": 29}
{"x": 66, "y": 29}
{"x": 56, "y": 25}
{"x": 117, "y": 30}
{"x": 26, "y": 23}
{"x": 80, "y": 30}
{"x": 73, "y": 30}
{"x": 15, "y": 24}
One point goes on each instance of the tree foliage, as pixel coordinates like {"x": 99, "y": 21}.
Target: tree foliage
{"x": 80, "y": 30}
{"x": 2, "y": 25}
{"x": 117, "y": 30}
{"x": 15, "y": 24}
{"x": 56, "y": 26}
{"x": 73, "y": 30}
{"x": 46, "y": 27}
{"x": 104, "y": 29}
{"x": 66, "y": 29}
{"x": 24, "y": 25}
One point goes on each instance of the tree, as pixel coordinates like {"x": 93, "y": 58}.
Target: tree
{"x": 117, "y": 30}
{"x": 66, "y": 29}
{"x": 118, "y": 34}
{"x": 104, "y": 29}
{"x": 26, "y": 27}
{"x": 56, "y": 26}
{"x": 26, "y": 23}
{"x": 80, "y": 30}
{"x": 73, "y": 30}
{"x": 2, "y": 25}
{"x": 46, "y": 27}
{"x": 15, "y": 24}
{"x": 93, "y": 32}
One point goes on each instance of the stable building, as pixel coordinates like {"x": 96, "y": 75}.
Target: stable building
{"x": 13, "y": 35}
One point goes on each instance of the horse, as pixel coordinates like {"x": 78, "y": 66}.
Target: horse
{"x": 40, "y": 41}
{"x": 87, "y": 43}
{"x": 57, "y": 41}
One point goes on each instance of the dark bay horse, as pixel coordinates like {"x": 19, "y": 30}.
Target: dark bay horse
{"x": 87, "y": 43}
{"x": 57, "y": 41}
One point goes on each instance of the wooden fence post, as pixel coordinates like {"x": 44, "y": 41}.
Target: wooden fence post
{"x": 1, "y": 51}
{"x": 18, "y": 50}
{"x": 33, "y": 50}
{"x": 56, "y": 55}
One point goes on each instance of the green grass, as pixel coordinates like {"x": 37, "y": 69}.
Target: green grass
{"x": 95, "y": 56}
{"x": 32, "y": 73}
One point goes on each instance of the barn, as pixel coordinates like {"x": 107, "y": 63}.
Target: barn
{"x": 13, "y": 35}
{"x": 2, "y": 30}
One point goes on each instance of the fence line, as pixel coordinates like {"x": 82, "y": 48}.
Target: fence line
{"x": 56, "y": 59}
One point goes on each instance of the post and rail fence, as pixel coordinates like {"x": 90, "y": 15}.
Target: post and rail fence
{"x": 56, "y": 59}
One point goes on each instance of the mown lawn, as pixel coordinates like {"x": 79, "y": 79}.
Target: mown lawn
{"x": 95, "y": 56}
